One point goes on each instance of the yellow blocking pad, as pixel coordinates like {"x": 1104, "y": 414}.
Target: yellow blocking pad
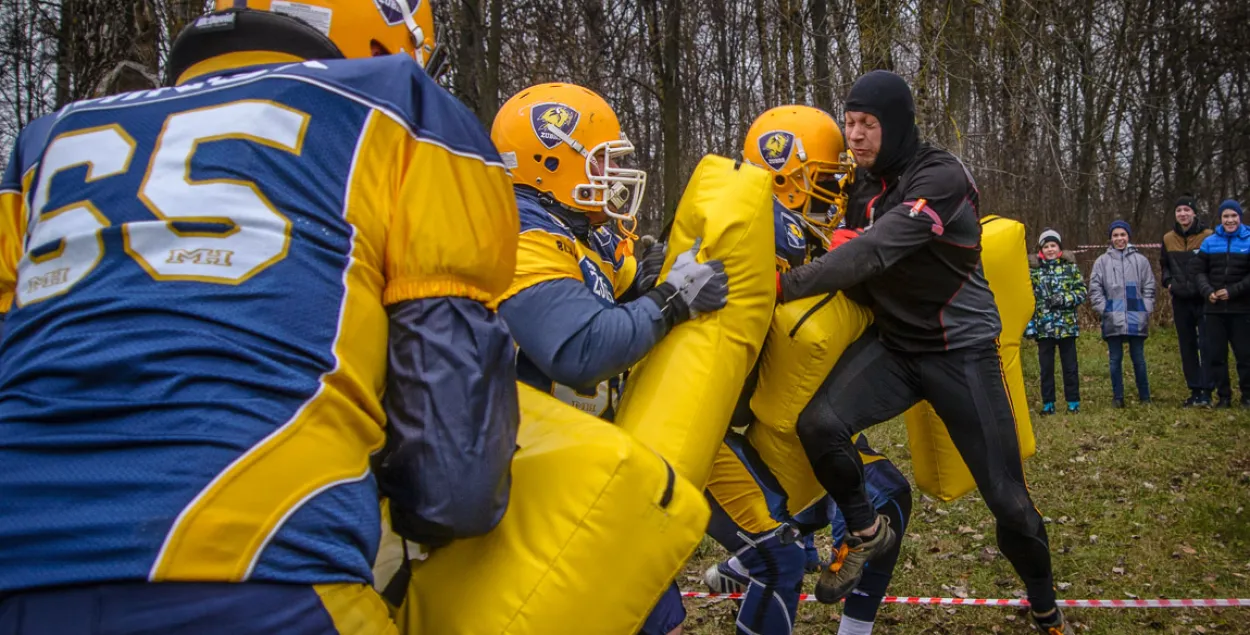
{"x": 938, "y": 468}
{"x": 804, "y": 342}
{"x": 587, "y": 544}
{"x": 680, "y": 397}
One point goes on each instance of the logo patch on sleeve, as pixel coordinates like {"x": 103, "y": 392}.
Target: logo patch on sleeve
{"x": 561, "y": 116}
{"x": 776, "y": 147}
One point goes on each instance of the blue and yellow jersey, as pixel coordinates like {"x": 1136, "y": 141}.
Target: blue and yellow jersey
{"x": 191, "y": 374}
{"x": 791, "y": 240}
{"x": 550, "y": 249}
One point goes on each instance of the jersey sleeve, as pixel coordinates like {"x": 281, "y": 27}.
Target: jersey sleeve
{"x": 12, "y": 229}
{"x": 542, "y": 257}
{"x": 454, "y": 230}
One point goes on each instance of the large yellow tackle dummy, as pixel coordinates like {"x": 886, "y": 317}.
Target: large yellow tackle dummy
{"x": 682, "y": 395}
{"x": 936, "y": 464}
{"x": 583, "y": 489}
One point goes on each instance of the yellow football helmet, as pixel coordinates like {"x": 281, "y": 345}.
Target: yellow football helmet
{"x": 360, "y": 28}
{"x": 565, "y": 140}
{"x": 804, "y": 148}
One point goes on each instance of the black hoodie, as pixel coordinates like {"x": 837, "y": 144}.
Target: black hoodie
{"x": 920, "y": 257}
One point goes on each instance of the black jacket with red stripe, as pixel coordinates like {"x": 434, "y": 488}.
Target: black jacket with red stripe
{"x": 919, "y": 258}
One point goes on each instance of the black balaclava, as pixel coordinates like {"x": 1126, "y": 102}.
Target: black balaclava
{"x": 887, "y": 97}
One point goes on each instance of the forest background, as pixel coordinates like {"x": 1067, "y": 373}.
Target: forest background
{"x": 1070, "y": 113}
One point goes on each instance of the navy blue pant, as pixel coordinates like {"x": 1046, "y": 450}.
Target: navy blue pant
{"x": 1137, "y": 352}
{"x": 776, "y": 563}
{"x": 667, "y": 615}
{"x": 185, "y": 608}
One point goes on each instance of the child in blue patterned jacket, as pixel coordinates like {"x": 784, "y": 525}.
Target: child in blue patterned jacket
{"x": 1122, "y": 291}
{"x": 1058, "y": 290}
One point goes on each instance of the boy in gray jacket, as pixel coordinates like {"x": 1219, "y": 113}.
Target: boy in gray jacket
{"x": 1122, "y": 291}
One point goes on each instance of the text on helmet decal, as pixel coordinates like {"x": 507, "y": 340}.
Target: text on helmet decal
{"x": 317, "y": 17}
{"x": 550, "y": 113}
{"x": 776, "y": 146}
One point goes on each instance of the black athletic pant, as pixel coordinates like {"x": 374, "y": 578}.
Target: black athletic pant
{"x": 1224, "y": 329}
{"x": 871, "y": 384}
{"x": 1191, "y": 337}
{"x": 1067, "y": 358}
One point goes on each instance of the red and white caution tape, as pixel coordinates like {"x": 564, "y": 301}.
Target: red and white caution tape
{"x": 1103, "y": 247}
{"x": 1087, "y": 604}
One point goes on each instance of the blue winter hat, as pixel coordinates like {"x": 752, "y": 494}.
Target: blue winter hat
{"x": 1119, "y": 224}
{"x": 1229, "y": 204}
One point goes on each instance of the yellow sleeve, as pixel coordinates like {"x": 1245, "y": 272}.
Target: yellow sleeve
{"x": 454, "y": 229}
{"x": 542, "y": 256}
{"x": 12, "y": 231}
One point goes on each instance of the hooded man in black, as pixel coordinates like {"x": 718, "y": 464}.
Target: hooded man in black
{"x": 918, "y": 267}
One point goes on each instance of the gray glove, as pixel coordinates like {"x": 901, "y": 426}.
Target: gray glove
{"x": 702, "y": 286}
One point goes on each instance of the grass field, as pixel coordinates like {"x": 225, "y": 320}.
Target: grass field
{"x": 1150, "y": 501}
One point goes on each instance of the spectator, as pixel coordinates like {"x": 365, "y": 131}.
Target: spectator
{"x": 1179, "y": 247}
{"x": 1122, "y": 291}
{"x": 1222, "y": 269}
{"x": 1058, "y": 290}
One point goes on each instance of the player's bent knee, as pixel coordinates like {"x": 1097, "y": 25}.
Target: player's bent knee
{"x": 819, "y": 429}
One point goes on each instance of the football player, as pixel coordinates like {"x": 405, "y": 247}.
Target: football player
{"x": 804, "y": 149}
{"x": 232, "y": 291}
{"x": 579, "y": 308}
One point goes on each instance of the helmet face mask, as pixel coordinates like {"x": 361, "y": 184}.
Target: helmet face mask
{"x": 566, "y": 141}
{"x": 825, "y": 183}
{"x": 615, "y": 189}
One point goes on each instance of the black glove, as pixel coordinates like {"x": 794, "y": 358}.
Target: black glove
{"x": 649, "y": 266}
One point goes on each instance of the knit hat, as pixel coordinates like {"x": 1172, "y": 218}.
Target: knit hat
{"x": 1187, "y": 200}
{"x": 1119, "y": 224}
{"x": 1049, "y": 235}
{"x": 1229, "y": 204}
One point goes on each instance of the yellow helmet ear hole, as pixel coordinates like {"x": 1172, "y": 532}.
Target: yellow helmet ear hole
{"x": 779, "y": 180}
{"x": 552, "y": 164}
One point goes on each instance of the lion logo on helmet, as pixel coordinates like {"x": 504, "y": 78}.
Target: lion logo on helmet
{"x": 391, "y": 11}
{"x": 776, "y": 148}
{"x": 559, "y": 116}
